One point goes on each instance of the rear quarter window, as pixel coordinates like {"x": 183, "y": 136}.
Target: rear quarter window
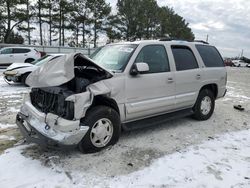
{"x": 210, "y": 56}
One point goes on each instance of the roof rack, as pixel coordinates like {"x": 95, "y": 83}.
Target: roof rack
{"x": 171, "y": 39}
{"x": 201, "y": 41}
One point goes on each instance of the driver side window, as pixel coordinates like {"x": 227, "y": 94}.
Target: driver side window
{"x": 156, "y": 58}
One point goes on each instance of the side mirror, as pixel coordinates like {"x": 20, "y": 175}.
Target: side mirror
{"x": 139, "y": 68}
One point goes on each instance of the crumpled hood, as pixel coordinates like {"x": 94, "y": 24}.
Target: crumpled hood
{"x": 59, "y": 71}
{"x": 14, "y": 66}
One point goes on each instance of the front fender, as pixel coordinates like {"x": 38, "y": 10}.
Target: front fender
{"x": 83, "y": 101}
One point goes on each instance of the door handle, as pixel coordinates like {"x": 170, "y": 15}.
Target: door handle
{"x": 170, "y": 80}
{"x": 11, "y": 55}
{"x": 198, "y": 76}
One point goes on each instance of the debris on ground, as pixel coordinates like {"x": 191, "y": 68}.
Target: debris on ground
{"x": 239, "y": 107}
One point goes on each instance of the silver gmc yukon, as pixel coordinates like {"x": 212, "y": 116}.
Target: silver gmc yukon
{"x": 86, "y": 102}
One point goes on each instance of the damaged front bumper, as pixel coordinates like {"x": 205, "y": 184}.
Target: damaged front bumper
{"x": 48, "y": 129}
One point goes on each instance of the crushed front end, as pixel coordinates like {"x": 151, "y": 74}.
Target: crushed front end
{"x": 47, "y": 119}
{"x": 63, "y": 89}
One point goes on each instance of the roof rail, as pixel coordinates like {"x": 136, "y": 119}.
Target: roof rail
{"x": 201, "y": 41}
{"x": 171, "y": 39}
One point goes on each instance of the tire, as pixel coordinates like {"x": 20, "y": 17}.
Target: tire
{"x": 23, "y": 78}
{"x": 202, "y": 109}
{"x": 96, "y": 118}
{"x": 28, "y": 60}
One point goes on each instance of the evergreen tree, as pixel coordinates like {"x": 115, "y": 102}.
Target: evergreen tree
{"x": 61, "y": 17}
{"x": 13, "y": 15}
{"x": 100, "y": 11}
{"x": 174, "y": 26}
{"x": 25, "y": 26}
{"x": 48, "y": 16}
{"x": 81, "y": 18}
{"x": 128, "y": 14}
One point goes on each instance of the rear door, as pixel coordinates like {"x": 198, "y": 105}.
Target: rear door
{"x": 20, "y": 54}
{"x": 187, "y": 75}
{"x": 150, "y": 93}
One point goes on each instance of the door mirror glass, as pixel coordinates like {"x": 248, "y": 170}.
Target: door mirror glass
{"x": 139, "y": 68}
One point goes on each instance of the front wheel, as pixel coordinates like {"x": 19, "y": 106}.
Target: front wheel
{"x": 24, "y": 77}
{"x": 104, "y": 129}
{"x": 204, "y": 106}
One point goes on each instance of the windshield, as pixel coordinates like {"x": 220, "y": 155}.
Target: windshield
{"x": 40, "y": 59}
{"x": 114, "y": 57}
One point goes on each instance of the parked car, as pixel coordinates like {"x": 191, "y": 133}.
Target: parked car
{"x": 18, "y": 72}
{"x": 9, "y": 55}
{"x": 77, "y": 101}
{"x": 239, "y": 63}
{"x": 229, "y": 62}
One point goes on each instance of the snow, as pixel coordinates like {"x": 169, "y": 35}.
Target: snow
{"x": 223, "y": 161}
{"x": 18, "y": 171}
{"x": 5, "y": 126}
{"x": 5, "y": 137}
{"x": 13, "y": 89}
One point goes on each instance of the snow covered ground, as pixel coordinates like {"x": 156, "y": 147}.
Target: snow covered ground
{"x": 221, "y": 162}
{"x": 181, "y": 153}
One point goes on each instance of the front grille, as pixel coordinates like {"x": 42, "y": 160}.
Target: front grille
{"x": 52, "y": 100}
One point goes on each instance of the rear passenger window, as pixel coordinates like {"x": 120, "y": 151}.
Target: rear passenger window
{"x": 210, "y": 56}
{"x": 156, "y": 58}
{"x": 184, "y": 58}
{"x": 20, "y": 50}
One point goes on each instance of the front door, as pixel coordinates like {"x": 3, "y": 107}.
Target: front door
{"x": 153, "y": 92}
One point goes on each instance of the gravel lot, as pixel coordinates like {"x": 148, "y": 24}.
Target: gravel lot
{"x": 136, "y": 149}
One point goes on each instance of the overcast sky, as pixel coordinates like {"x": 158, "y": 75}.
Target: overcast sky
{"x": 227, "y": 22}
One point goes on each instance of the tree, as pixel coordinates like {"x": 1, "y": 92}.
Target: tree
{"x": 148, "y": 18}
{"x": 100, "y": 11}
{"x": 40, "y": 6}
{"x": 172, "y": 25}
{"x": 12, "y": 15}
{"x": 81, "y": 19}
{"x": 145, "y": 19}
{"x": 15, "y": 38}
{"x": 48, "y": 16}
{"x": 128, "y": 14}
{"x": 61, "y": 17}
{"x": 29, "y": 13}
{"x": 112, "y": 28}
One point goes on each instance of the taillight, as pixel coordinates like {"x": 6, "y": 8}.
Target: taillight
{"x": 38, "y": 54}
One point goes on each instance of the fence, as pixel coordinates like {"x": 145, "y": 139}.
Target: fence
{"x": 53, "y": 49}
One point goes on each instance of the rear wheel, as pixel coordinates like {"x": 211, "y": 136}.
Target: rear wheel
{"x": 104, "y": 129}
{"x": 204, "y": 106}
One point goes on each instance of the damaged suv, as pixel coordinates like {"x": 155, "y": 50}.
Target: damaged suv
{"x": 86, "y": 102}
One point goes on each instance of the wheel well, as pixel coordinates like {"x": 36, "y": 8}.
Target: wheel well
{"x": 211, "y": 87}
{"x": 106, "y": 101}
{"x": 29, "y": 60}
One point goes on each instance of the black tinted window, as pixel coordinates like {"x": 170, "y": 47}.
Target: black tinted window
{"x": 20, "y": 50}
{"x": 184, "y": 58}
{"x": 210, "y": 56}
{"x": 156, "y": 58}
